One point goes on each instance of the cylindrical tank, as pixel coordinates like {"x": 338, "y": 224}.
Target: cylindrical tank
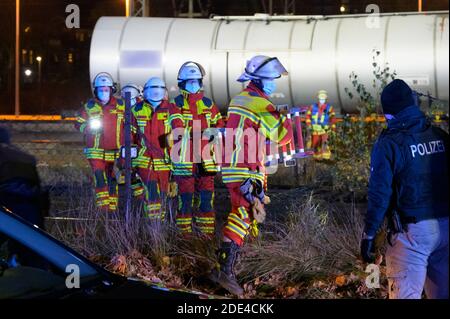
{"x": 319, "y": 52}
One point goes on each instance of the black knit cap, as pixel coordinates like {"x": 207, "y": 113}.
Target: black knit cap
{"x": 396, "y": 96}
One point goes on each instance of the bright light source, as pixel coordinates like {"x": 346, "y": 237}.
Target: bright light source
{"x": 342, "y": 9}
{"x": 127, "y": 8}
{"x": 39, "y": 58}
{"x": 28, "y": 72}
{"x": 95, "y": 124}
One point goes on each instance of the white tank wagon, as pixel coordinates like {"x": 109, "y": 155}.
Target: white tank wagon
{"x": 319, "y": 52}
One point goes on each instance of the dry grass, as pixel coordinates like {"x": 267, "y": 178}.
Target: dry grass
{"x": 310, "y": 251}
{"x": 314, "y": 241}
{"x": 295, "y": 257}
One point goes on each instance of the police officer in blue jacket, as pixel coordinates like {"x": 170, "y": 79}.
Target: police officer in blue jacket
{"x": 20, "y": 187}
{"x": 409, "y": 185}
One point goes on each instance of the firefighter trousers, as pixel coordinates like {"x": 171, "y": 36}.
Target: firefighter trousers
{"x": 240, "y": 222}
{"x": 106, "y": 190}
{"x": 203, "y": 216}
{"x": 156, "y": 184}
{"x": 319, "y": 144}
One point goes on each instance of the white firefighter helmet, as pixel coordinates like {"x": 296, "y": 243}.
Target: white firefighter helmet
{"x": 135, "y": 90}
{"x": 191, "y": 71}
{"x": 262, "y": 67}
{"x": 322, "y": 95}
{"x": 104, "y": 79}
{"x": 155, "y": 89}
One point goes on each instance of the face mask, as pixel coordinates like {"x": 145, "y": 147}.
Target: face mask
{"x": 269, "y": 86}
{"x": 192, "y": 86}
{"x": 154, "y": 104}
{"x": 322, "y": 101}
{"x": 103, "y": 96}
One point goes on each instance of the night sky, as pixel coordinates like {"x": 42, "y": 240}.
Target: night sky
{"x": 65, "y": 52}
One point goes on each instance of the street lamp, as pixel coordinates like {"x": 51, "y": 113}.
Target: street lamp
{"x": 127, "y": 8}
{"x": 17, "y": 63}
{"x": 28, "y": 72}
{"x": 342, "y": 8}
{"x": 39, "y": 60}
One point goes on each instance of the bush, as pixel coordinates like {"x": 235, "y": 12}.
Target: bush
{"x": 353, "y": 140}
{"x": 352, "y": 144}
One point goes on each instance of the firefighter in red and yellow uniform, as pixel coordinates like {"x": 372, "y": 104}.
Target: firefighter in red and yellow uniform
{"x": 101, "y": 120}
{"x": 154, "y": 118}
{"x": 320, "y": 121}
{"x": 195, "y": 169}
{"x": 250, "y": 113}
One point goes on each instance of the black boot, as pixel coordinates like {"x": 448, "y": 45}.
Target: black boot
{"x": 225, "y": 276}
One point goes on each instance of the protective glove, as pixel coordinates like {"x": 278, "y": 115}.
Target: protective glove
{"x": 117, "y": 170}
{"x": 258, "y": 211}
{"x": 254, "y": 230}
{"x": 246, "y": 189}
{"x": 368, "y": 249}
{"x": 173, "y": 190}
{"x": 259, "y": 190}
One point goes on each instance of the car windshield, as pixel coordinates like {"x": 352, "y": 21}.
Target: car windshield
{"x": 63, "y": 258}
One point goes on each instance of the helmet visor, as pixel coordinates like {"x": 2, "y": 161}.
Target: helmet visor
{"x": 270, "y": 69}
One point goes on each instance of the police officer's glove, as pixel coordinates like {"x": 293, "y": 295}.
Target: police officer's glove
{"x": 368, "y": 249}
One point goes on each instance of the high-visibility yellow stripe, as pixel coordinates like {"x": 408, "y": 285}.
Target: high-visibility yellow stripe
{"x": 206, "y": 230}
{"x": 216, "y": 118}
{"x": 234, "y": 218}
{"x": 205, "y": 219}
{"x": 243, "y": 212}
{"x": 236, "y": 230}
{"x": 184, "y": 222}
{"x": 105, "y": 193}
{"x": 237, "y": 150}
{"x": 244, "y": 113}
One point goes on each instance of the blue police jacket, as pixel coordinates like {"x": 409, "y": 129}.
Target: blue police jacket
{"x": 409, "y": 171}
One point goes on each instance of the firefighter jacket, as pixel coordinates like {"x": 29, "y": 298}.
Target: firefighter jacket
{"x": 251, "y": 113}
{"x": 152, "y": 128}
{"x": 110, "y": 136}
{"x": 320, "y": 117}
{"x": 199, "y": 111}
